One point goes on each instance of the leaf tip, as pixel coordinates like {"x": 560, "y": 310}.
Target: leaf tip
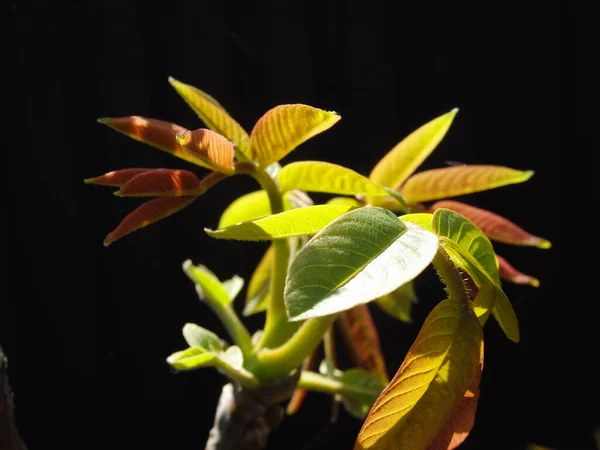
{"x": 89, "y": 180}
{"x": 454, "y": 111}
{"x": 534, "y": 282}
{"x": 109, "y": 239}
{"x": 528, "y": 174}
{"x": 544, "y": 244}
{"x": 118, "y": 193}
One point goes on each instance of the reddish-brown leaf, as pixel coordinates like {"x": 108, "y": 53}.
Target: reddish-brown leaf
{"x": 147, "y": 213}
{"x": 494, "y": 226}
{"x": 509, "y": 273}
{"x": 297, "y": 399}
{"x": 115, "y": 178}
{"x": 160, "y": 183}
{"x": 461, "y": 422}
{"x": 215, "y": 150}
{"x": 154, "y": 132}
{"x": 362, "y": 340}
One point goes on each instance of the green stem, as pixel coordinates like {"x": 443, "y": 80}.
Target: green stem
{"x": 316, "y": 382}
{"x": 277, "y": 327}
{"x": 244, "y": 377}
{"x": 450, "y": 276}
{"x": 271, "y": 364}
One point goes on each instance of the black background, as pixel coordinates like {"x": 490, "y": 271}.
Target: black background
{"x": 87, "y": 328}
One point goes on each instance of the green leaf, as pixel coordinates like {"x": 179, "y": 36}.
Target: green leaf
{"x": 296, "y": 222}
{"x": 317, "y": 176}
{"x": 345, "y": 201}
{"x": 257, "y": 293}
{"x": 283, "y": 128}
{"x": 398, "y": 303}
{"x": 234, "y": 357}
{"x": 254, "y": 205}
{"x": 192, "y": 358}
{"x": 397, "y": 165}
{"x": 233, "y": 286}
{"x": 472, "y": 252}
{"x": 358, "y": 404}
{"x": 208, "y": 282}
{"x": 459, "y": 180}
{"x": 361, "y": 256}
{"x": 484, "y": 301}
{"x": 196, "y": 336}
{"x": 424, "y": 220}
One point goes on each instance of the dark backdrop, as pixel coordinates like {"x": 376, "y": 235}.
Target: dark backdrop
{"x": 87, "y": 328}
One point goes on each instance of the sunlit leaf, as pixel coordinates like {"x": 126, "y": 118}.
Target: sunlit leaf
{"x": 208, "y": 282}
{"x": 196, "y": 336}
{"x": 157, "y": 133}
{"x": 345, "y": 201}
{"x": 234, "y": 357}
{"x": 434, "y": 377}
{"x": 213, "y": 114}
{"x": 296, "y": 222}
{"x": 160, "y": 183}
{"x": 459, "y": 180}
{"x": 116, "y": 178}
{"x": 370, "y": 386}
{"x": 254, "y": 205}
{"x": 398, "y": 303}
{"x": 424, "y": 220}
{"x": 400, "y": 162}
{"x": 484, "y": 301}
{"x": 472, "y": 252}
{"x": 496, "y": 227}
{"x": 212, "y": 148}
{"x": 318, "y": 176}
{"x": 283, "y": 128}
{"x": 359, "y": 257}
{"x": 509, "y": 273}
{"x": 458, "y": 427}
{"x": 146, "y": 214}
{"x": 192, "y": 358}
{"x": 233, "y": 286}
{"x": 362, "y": 340}
{"x": 257, "y": 294}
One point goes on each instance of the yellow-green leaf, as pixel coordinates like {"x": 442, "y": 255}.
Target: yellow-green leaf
{"x": 400, "y": 162}
{"x": 283, "y": 128}
{"x": 249, "y": 207}
{"x": 192, "y": 358}
{"x": 431, "y": 382}
{"x": 398, "y": 304}
{"x": 484, "y": 301}
{"x": 258, "y": 288}
{"x": 345, "y": 201}
{"x": 459, "y": 180}
{"x": 213, "y": 114}
{"x": 318, "y": 176}
{"x": 296, "y": 222}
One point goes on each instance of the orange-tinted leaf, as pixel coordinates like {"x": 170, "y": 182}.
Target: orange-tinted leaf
{"x": 213, "y": 114}
{"x": 362, "y": 340}
{"x": 147, "y": 213}
{"x": 459, "y": 180}
{"x": 460, "y": 424}
{"x": 297, "y": 399}
{"x": 509, "y": 273}
{"x": 157, "y": 133}
{"x": 159, "y": 183}
{"x": 494, "y": 226}
{"x": 437, "y": 371}
{"x": 212, "y": 148}
{"x": 115, "y": 178}
{"x": 283, "y": 128}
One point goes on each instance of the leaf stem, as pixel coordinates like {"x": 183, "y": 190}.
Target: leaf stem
{"x": 226, "y": 314}
{"x": 244, "y": 377}
{"x": 271, "y": 364}
{"x": 320, "y": 383}
{"x": 450, "y": 276}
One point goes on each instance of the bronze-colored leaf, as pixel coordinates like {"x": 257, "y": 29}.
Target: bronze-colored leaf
{"x": 212, "y": 148}
{"x": 362, "y": 340}
{"x": 494, "y": 226}
{"x": 116, "y": 178}
{"x": 157, "y": 133}
{"x": 160, "y": 183}
{"x": 146, "y": 214}
{"x": 509, "y": 273}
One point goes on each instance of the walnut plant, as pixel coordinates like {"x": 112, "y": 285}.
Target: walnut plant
{"x": 325, "y": 263}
